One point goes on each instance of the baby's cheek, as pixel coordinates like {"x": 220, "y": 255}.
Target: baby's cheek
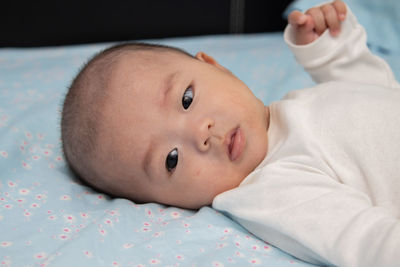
{"x": 198, "y": 172}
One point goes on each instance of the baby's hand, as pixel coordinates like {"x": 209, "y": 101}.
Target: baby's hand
{"x": 309, "y": 26}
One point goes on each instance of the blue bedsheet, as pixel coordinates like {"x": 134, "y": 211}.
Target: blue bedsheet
{"x": 48, "y": 219}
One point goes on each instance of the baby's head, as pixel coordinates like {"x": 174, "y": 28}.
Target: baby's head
{"x": 154, "y": 124}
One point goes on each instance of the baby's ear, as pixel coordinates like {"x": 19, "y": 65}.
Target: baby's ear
{"x": 210, "y": 60}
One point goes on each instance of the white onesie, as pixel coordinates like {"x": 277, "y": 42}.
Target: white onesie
{"x": 328, "y": 191}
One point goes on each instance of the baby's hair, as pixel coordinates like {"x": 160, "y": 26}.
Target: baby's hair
{"x": 81, "y": 118}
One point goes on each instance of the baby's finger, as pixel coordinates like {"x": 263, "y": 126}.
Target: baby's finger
{"x": 331, "y": 18}
{"x": 319, "y": 20}
{"x": 297, "y": 18}
{"x": 341, "y": 9}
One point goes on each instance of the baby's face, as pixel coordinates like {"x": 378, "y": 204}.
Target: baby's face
{"x": 181, "y": 130}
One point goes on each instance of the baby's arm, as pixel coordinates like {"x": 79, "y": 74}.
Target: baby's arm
{"x": 338, "y": 55}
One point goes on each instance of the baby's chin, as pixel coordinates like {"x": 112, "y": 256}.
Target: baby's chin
{"x": 192, "y": 205}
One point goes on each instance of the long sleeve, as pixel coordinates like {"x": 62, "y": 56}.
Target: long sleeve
{"x": 314, "y": 218}
{"x": 342, "y": 58}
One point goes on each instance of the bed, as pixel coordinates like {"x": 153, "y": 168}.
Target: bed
{"x": 47, "y": 218}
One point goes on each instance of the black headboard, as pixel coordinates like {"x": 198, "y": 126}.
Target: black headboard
{"x": 45, "y": 23}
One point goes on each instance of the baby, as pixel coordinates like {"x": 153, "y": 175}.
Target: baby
{"x": 315, "y": 174}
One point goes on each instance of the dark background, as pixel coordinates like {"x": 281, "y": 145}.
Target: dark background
{"x": 49, "y": 23}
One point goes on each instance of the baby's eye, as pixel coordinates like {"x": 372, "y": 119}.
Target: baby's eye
{"x": 187, "y": 97}
{"x": 172, "y": 160}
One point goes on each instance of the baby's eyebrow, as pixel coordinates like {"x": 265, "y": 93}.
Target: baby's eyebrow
{"x": 147, "y": 157}
{"x": 167, "y": 85}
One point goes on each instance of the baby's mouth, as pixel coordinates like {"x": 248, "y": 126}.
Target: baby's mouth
{"x": 235, "y": 142}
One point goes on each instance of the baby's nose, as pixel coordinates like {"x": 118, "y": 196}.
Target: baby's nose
{"x": 202, "y": 133}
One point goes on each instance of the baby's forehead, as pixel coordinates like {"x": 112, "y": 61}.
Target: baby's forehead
{"x": 149, "y": 58}
{"x": 139, "y": 70}
{"x": 136, "y": 73}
